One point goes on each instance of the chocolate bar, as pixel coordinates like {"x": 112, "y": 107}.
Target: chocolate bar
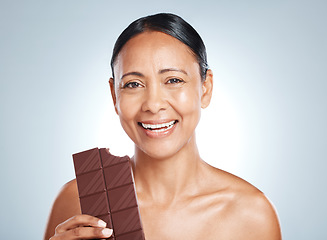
{"x": 106, "y": 190}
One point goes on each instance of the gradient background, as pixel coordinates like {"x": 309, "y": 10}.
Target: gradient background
{"x": 266, "y": 123}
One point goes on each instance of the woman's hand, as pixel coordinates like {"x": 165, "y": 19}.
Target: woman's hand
{"x": 82, "y": 227}
{"x": 78, "y": 226}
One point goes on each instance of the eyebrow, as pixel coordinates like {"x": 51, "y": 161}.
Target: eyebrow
{"x": 172, "y": 70}
{"x": 160, "y": 72}
{"x": 132, "y": 73}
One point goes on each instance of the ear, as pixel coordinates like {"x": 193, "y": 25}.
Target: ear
{"x": 113, "y": 94}
{"x": 207, "y": 86}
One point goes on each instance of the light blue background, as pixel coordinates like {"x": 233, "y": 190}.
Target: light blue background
{"x": 266, "y": 123}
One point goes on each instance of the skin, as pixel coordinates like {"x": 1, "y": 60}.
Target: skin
{"x": 157, "y": 79}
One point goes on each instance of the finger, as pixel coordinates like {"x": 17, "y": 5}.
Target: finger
{"x": 88, "y": 233}
{"x": 78, "y": 221}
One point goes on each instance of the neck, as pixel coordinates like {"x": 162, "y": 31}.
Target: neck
{"x": 166, "y": 179}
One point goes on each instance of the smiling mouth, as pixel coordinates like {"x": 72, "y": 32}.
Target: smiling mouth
{"x": 158, "y": 127}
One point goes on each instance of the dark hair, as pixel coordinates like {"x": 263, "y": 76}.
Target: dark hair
{"x": 170, "y": 24}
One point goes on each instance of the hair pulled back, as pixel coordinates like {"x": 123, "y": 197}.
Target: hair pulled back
{"x": 170, "y": 24}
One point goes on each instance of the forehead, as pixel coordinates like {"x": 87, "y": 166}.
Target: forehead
{"x": 152, "y": 51}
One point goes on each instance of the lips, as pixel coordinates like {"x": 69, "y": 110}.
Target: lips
{"x": 158, "y": 127}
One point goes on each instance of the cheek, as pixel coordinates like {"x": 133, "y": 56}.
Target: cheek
{"x": 127, "y": 108}
{"x": 188, "y": 103}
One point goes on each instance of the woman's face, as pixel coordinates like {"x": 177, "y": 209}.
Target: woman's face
{"x": 158, "y": 93}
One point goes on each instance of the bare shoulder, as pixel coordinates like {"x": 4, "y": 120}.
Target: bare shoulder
{"x": 247, "y": 210}
{"x": 256, "y": 216}
{"x": 65, "y": 206}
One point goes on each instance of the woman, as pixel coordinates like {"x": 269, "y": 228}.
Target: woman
{"x": 160, "y": 83}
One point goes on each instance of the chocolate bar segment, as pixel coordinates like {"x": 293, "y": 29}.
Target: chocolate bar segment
{"x": 106, "y": 190}
{"x": 126, "y": 221}
{"x": 120, "y": 198}
{"x": 109, "y": 159}
{"x": 118, "y": 175}
{"x": 87, "y": 161}
{"x": 95, "y": 204}
{"x": 91, "y": 182}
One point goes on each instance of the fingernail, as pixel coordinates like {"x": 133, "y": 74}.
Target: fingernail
{"x": 102, "y": 224}
{"x": 106, "y": 232}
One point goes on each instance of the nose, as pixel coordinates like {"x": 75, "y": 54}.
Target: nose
{"x": 154, "y": 99}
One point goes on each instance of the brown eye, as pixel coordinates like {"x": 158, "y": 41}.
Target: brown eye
{"x": 174, "y": 81}
{"x": 132, "y": 85}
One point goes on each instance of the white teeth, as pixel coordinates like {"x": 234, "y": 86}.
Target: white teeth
{"x": 159, "y": 127}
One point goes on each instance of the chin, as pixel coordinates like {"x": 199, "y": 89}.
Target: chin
{"x": 160, "y": 151}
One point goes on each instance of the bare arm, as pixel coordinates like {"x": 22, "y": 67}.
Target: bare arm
{"x": 65, "y": 219}
{"x": 64, "y": 207}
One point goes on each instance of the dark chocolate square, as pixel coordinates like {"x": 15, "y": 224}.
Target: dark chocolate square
{"x": 118, "y": 175}
{"x": 122, "y": 197}
{"x": 94, "y": 205}
{"x": 127, "y": 220}
{"x": 90, "y": 183}
{"x": 87, "y": 161}
{"x": 108, "y": 159}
